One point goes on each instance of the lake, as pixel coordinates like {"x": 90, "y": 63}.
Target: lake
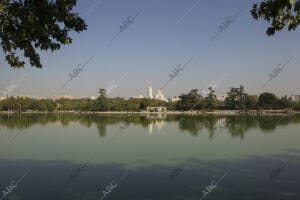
{"x": 149, "y": 157}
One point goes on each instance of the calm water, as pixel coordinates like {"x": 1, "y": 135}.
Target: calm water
{"x": 150, "y": 157}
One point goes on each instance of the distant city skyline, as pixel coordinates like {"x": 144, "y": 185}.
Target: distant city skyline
{"x": 158, "y": 96}
{"x": 154, "y": 44}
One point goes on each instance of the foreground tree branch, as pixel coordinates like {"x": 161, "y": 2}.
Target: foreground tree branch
{"x": 279, "y": 13}
{"x": 28, "y": 25}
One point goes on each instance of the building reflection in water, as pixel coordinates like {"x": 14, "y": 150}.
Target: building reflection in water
{"x": 158, "y": 121}
{"x": 155, "y": 124}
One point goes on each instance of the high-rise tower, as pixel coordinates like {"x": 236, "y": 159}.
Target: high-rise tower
{"x": 150, "y": 92}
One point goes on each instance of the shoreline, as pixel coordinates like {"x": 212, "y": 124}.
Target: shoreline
{"x": 201, "y": 112}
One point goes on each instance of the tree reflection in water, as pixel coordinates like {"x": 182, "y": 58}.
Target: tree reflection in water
{"x": 237, "y": 126}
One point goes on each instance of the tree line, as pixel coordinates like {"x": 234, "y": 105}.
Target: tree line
{"x": 237, "y": 99}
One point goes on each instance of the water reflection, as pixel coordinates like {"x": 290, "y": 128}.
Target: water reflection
{"x": 236, "y": 126}
{"x": 63, "y": 146}
{"x": 155, "y": 124}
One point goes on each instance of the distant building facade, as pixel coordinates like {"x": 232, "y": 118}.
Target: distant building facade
{"x": 296, "y": 98}
{"x": 160, "y": 96}
{"x": 150, "y": 92}
{"x": 140, "y": 96}
{"x": 156, "y": 109}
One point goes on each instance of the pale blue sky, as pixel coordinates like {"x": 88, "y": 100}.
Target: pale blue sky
{"x": 153, "y": 45}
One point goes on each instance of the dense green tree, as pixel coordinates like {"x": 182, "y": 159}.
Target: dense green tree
{"x": 251, "y": 102}
{"x": 102, "y": 94}
{"x": 283, "y": 102}
{"x": 171, "y": 106}
{"x": 101, "y": 102}
{"x": 143, "y": 105}
{"x": 133, "y": 104}
{"x": 28, "y": 25}
{"x": 242, "y": 98}
{"x": 25, "y": 104}
{"x": 231, "y": 99}
{"x": 279, "y": 13}
{"x": 267, "y": 100}
{"x": 3, "y": 14}
{"x": 189, "y": 101}
{"x": 236, "y": 98}
{"x": 211, "y": 99}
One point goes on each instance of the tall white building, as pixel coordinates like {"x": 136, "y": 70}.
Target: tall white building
{"x": 160, "y": 96}
{"x": 150, "y": 92}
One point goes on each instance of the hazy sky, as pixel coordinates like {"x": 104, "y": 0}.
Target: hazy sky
{"x": 165, "y": 34}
